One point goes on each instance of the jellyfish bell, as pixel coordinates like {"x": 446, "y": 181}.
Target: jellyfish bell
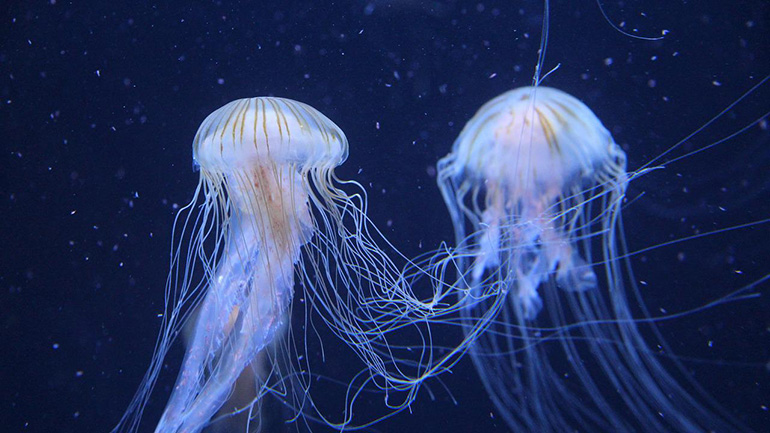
{"x": 255, "y": 131}
{"x": 519, "y": 170}
{"x": 549, "y": 136}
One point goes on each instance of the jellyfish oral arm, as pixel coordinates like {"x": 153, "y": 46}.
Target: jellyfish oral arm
{"x": 239, "y": 316}
{"x": 243, "y": 309}
{"x": 488, "y": 254}
{"x": 529, "y": 249}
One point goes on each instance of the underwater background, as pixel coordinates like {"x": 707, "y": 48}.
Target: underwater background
{"x": 99, "y": 103}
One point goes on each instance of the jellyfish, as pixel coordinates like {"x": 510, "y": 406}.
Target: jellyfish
{"x": 534, "y": 185}
{"x": 269, "y": 216}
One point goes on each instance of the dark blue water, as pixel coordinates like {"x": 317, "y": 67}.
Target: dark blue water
{"x": 99, "y": 104}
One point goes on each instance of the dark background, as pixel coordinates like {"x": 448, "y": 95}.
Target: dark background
{"x": 99, "y": 102}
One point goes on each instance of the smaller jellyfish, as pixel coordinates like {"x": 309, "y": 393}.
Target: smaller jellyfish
{"x": 534, "y": 185}
{"x": 523, "y": 171}
{"x": 267, "y": 217}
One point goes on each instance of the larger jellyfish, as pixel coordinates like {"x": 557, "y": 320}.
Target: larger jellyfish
{"x": 258, "y": 206}
{"x": 267, "y": 217}
{"x": 534, "y": 185}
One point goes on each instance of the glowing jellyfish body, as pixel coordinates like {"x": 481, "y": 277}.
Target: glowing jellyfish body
{"x": 531, "y": 154}
{"x": 252, "y": 155}
{"x": 268, "y": 217}
{"x": 534, "y": 185}
{"x": 236, "y": 246}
